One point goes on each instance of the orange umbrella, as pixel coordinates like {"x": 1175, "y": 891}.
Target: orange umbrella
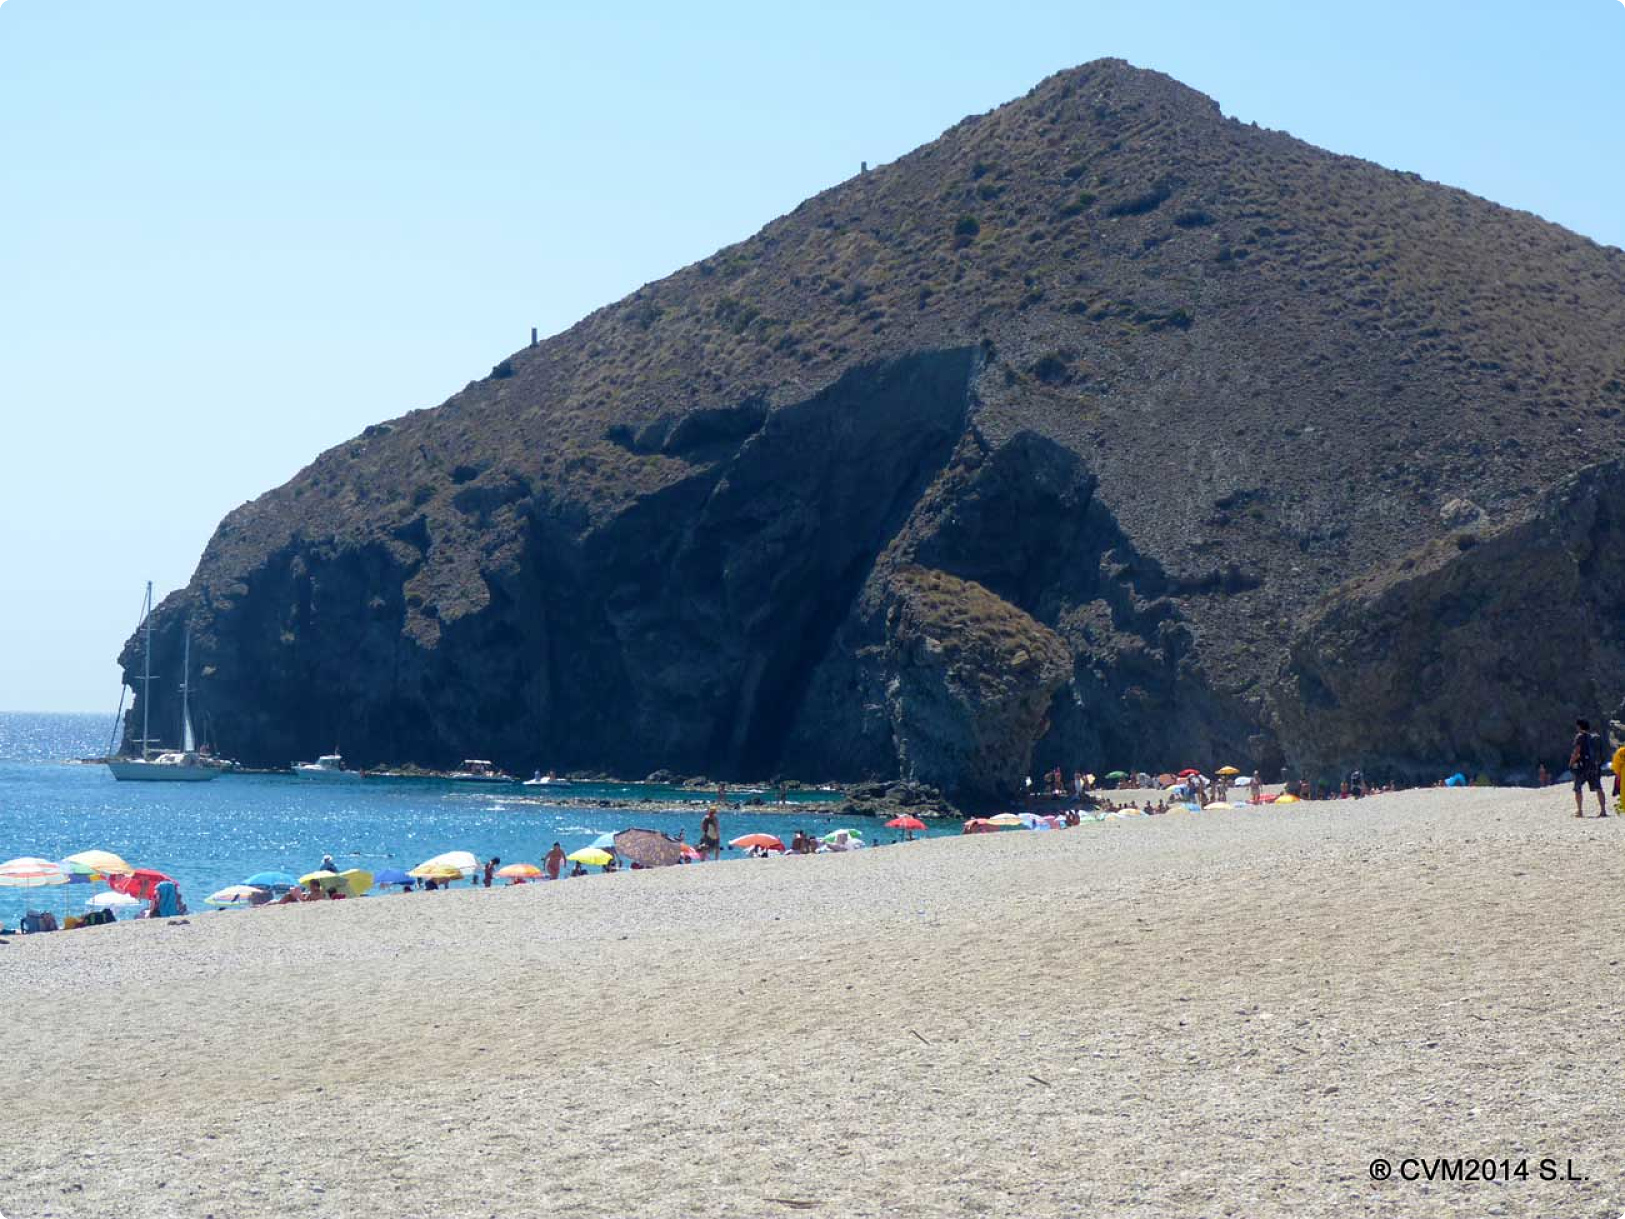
{"x": 766, "y": 841}
{"x": 905, "y": 822}
{"x": 519, "y": 871}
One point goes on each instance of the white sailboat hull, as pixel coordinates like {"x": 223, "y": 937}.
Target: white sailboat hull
{"x": 134, "y": 770}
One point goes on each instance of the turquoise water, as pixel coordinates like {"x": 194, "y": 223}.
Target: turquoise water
{"x": 209, "y": 835}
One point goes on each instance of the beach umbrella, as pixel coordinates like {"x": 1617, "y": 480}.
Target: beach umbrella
{"x": 905, "y": 822}
{"x": 236, "y": 895}
{"x": 462, "y": 862}
{"x": 1286, "y": 800}
{"x": 648, "y": 848}
{"x": 766, "y": 841}
{"x": 272, "y": 880}
{"x": 436, "y": 871}
{"x": 1117, "y": 774}
{"x": 1189, "y": 773}
{"x": 604, "y": 842}
{"x": 1004, "y": 819}
{"x": 110, "y": 900}
{"x": 104, "y": 862}
{"x": 590, "y": 855}
{"x": 394, "y": 876}
{"x": 1219, "y": 804}
{"x": 1227, "y": 771}
{"x": 325, "y": 879}
{"x": 519, "y": 871}
{"x": 356, "y": 880}
{"x": 139, "y": 882}
{"x": 30, "y": 872}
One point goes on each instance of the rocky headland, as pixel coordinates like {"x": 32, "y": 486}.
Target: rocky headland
{"x": 1103, "y": 430}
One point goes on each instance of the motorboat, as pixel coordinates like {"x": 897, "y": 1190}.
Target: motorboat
{"x": 548, "y": 780}
{"x": 479, "y": 770}
{"x": 329, "y": 768}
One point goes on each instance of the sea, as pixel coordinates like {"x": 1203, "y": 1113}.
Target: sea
{"x": 211, "y": 835}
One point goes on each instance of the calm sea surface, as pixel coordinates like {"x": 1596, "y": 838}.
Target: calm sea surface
{"x": 209, "y": 835}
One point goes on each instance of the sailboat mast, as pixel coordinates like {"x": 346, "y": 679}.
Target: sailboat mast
{"x": 146, "y": 680}
{"x": 188, "y": 741}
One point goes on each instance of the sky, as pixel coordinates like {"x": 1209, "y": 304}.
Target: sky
{"x": 231, "y": 236}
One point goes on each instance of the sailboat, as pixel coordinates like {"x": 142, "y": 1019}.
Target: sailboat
{"x": 185, "y": 765}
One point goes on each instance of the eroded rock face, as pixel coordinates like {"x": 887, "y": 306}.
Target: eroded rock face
{"x": 969, "y": 679}
{"x": 1151, "y": 382}
{"x": 1479, "y": 650}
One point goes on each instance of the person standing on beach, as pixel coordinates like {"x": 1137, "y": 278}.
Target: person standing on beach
{"x": 711, "y": 835}
{"x": 554, "y": 863}
{"x": 1585, "y": 760}
{"x": 490, "y": 868}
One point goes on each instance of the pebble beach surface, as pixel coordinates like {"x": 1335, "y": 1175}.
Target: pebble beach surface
{"x": 1224, "y": 1014}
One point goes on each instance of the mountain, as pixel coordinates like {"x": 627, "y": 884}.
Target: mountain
{"x": 1103, "y": 430}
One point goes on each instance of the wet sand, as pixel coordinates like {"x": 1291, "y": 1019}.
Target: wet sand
{"x": 1224, "y": 1014}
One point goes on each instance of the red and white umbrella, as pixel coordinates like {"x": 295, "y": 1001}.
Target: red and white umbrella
{"x": 31, "y": 873}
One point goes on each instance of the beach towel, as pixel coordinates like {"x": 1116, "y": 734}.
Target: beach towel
{"x": 169, "y": 899}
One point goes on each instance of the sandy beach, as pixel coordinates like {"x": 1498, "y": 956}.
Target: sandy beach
{"x": 1228, "y": 1014}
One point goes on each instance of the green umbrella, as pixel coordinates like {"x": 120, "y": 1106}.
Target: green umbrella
{"x": 1117, "y": 774}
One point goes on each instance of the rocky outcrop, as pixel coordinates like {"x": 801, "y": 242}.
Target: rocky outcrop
{"x": 970, "y": 679}
{"x": 1118, "y": 375}
{"x": 1476, "y": 652}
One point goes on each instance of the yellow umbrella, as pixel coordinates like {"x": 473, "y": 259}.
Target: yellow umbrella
{"x": 104, "y": 862}
{"x": 436, "y": 871}
{"x": 356, "y": 880}
{"x": 1286, "y": 799}
{"x": 1227, "y": 770}
{"x": 1004, "y": 819}
{"x": 590, "y": 855}
{"x": 1219, "y": 804}
{"x": 327, "y": 880}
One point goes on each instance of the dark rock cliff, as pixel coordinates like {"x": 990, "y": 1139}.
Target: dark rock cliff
{"x": 1480, "y": 648}
{"x": 1046, "y": 444}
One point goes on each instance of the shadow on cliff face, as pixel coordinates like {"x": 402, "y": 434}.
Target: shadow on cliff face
{"x": 1475, "y": 653}
{"x": 681, "y": 634}
{"x": 703, "y": 610}
{"x": 1019, "y": 528}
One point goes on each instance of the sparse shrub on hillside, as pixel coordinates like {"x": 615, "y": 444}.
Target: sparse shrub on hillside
{"x": 966, "y": 229}
{"x": 1084, "y": 201}
{"x": 1143, "y": 203}
{"x": 502, "y": 371}
{"x": 1053, "y": 369}
{"x": 734, "y": 314}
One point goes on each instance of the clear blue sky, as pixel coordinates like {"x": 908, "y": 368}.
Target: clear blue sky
{"x": 233, "y": 235}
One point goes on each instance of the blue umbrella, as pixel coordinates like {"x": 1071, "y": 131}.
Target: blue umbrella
{"x": 604, "y": 842}
{"x": 391, "y": 876}
{"x": 272, "y": 880}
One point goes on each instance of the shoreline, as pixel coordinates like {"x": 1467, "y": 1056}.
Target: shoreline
{"x": 1222, "y": 1014}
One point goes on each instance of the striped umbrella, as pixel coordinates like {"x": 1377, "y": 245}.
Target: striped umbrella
{"x": 31, "y": 873}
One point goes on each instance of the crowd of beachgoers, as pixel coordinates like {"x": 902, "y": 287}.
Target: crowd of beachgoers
{"x": 150, "y": 893}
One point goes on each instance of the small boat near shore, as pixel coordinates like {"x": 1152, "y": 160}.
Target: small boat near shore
{"x": 479, "y": 770}
{"x": 548, "y": 780}
{"x": 329, "y": 768}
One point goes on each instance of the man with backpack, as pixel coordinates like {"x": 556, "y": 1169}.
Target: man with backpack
{"x": 1585, "y": 760}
